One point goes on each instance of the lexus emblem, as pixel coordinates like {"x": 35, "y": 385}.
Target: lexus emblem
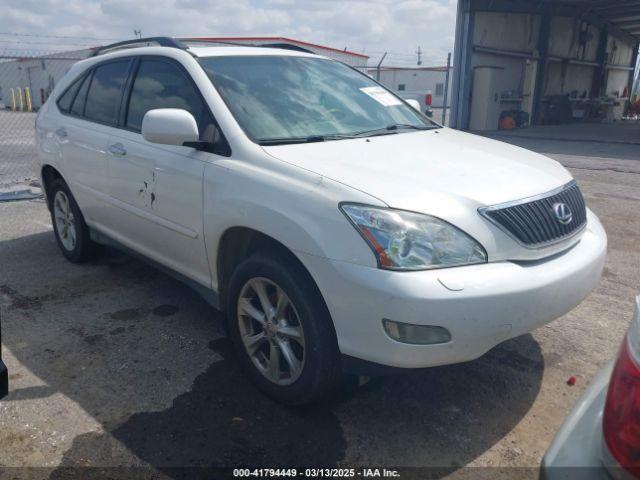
{"x": 562, "y": 213}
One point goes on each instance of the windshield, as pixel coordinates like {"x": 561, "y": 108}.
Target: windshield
{"x": 284, "y": 99}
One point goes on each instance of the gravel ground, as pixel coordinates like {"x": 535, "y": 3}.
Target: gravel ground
{"x": 116, "y": 364}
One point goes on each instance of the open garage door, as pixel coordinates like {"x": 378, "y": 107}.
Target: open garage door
{"x": 543, "y": 62}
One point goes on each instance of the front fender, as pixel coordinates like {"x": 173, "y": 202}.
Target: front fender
{"x": 295, "y": 207}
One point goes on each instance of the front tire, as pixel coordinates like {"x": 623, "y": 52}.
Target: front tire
{"x": 71, "y": 231}
{"x": 281, "y": 329}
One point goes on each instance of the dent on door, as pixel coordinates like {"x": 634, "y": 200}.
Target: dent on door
{"x": 144, "y": 178}
{"x": 147, "y": 191}
{"x": 158, "y": 194}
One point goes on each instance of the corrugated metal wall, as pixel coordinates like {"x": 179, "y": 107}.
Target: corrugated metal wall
{"x": 510, "y": 39}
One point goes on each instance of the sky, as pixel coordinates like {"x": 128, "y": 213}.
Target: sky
{"x": 371, "y": 27}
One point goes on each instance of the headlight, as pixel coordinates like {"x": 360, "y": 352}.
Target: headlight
{"x": 411, "y": 241}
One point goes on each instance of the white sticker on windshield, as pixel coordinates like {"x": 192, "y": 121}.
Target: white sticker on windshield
{"x": 381, "y": 96}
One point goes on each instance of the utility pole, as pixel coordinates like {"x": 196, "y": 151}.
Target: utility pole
{"x": 419, "y": 52}
{"x": 446, "y": 89}
{"x": 137, "y": 33}
{"x": 378, "y": 67}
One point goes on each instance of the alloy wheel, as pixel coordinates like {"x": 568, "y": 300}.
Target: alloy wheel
{"x": 65, "y": 220}
{"x": 271, "y": 331}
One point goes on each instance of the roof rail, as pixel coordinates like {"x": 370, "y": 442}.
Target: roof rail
{"x": 195, "y": 41}
{"x": 284, "y": 46}
{"x": 141, "y": 42}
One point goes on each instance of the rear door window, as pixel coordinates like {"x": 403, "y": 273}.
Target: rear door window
{"x": 103, "y": 98}
{"x": 161, "y": 84}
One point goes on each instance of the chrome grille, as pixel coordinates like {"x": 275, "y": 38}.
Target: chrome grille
{"x": 533, "y": 221}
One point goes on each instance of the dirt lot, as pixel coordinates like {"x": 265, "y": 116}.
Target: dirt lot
{"x": 116, "y": 364}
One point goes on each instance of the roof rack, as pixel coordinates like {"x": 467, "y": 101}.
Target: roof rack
{"x": 141, "y": 42}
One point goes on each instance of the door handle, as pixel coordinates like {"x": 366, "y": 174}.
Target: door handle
{"x": 117, "y": 149}
{"x": 61, "y": 132}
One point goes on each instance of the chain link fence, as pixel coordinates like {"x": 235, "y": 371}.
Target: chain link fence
{"x": 27, "y": 78}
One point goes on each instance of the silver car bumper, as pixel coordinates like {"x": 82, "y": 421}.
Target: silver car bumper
{"x": 576, "y": 450}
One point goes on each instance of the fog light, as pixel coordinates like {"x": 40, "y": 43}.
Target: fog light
{"x": 416, "y": 334}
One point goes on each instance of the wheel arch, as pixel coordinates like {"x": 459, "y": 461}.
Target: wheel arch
{"x": 49, "y": 174}
{"x": 239, "y": 243}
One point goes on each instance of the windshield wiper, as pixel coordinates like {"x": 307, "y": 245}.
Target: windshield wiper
{"x": 309, "y": 139}
{"x": 398, "y": 126}
{"x": 390, "y": 129}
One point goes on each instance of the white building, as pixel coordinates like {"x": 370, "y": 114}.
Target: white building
{"x": 40, "y": 74}
{"x": 410, "y": 82}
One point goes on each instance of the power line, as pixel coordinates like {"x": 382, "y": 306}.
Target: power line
{"x": 27, "y": 42}
{"x": 56, "y": 36}
{"x": 401, "y": 54}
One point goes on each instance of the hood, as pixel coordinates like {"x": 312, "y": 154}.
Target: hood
{"x": 417, "y": 170}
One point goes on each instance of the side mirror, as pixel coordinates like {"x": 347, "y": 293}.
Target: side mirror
{"x": 414, "y": 103}
{"x": 170, "y": 126}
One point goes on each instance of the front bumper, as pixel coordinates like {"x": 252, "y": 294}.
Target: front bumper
{"x": 480, "y": 305}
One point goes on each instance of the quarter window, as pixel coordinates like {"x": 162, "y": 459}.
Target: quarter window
{"x": 78, "y": 104}
{"x": 64, "y": 102}
{"x": 103, "y": 98}
{"x": 160, "y": 84}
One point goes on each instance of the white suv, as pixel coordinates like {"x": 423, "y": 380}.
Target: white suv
{"x": 337, "y": 227}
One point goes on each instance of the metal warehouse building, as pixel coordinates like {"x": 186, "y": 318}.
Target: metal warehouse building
{"x": 549, "y": 61}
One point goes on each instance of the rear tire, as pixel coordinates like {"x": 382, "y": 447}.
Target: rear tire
{"x": 71, "y": 232}
{"x": 281, "y": 329}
